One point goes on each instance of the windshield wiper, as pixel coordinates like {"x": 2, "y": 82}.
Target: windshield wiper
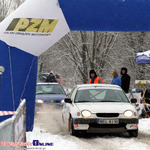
{"x": 40, "y": 93}
{"x": 47, "y": 93}
{"x": 83, "y": 101}
{"x": 52, "y": 93}
{"x": 108, "y": 101}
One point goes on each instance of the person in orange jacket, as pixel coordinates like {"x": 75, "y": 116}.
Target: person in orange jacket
{"x": 58, "y": 78}
{"x": 94, "y": 79}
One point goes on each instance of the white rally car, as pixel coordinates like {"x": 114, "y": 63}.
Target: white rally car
{"x": 99, "y": 108}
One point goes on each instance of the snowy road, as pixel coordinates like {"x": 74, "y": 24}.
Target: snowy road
{"x": 48, "y": 128}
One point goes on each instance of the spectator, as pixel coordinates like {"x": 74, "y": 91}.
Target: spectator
{"x": 116, "y": 79}
{"x": 58, "y": 78}
{"x": 94, "y": 79}
{"x": 51, "y": 77}
{"x": 125, "y": 80}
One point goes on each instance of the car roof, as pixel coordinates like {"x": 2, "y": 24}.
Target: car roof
{"x": 43, "y": 73}
{"x": 47, "y": 83}
{"x": 99, "y": 85}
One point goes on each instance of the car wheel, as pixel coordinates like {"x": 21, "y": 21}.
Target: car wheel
{"x": 133, "y": 133}
{"x": 71, "y": 128}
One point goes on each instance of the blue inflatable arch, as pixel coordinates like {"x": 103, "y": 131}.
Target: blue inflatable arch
{"x": 19, "y": 78}
{"x": 17, "y": 81}
{"x": 107, "y": 15}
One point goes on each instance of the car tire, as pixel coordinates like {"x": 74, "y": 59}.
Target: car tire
{"x": 72, "y": 130}
{"x": 133, "y": 133}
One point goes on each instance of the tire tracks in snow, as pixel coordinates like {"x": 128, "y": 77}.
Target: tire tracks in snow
{"x": 91, "y": 143}
{"x": 115, "y": 143}
{"x": 129, "y": 144}
{"x": 144, "y": 138}
{"x": 48, "y": 119}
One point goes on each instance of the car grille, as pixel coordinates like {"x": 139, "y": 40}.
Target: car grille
{"x": 107, "y": 114}
{"x": 52, "y": 101}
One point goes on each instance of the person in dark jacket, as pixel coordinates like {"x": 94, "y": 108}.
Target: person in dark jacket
{"x": 125, "y": 80}
{"x": 94, "y": 79}
{"x": 116, "y": 79}
{"x": 51, "y": 77}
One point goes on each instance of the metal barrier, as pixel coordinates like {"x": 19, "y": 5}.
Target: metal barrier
{"x": 13, "y": 130}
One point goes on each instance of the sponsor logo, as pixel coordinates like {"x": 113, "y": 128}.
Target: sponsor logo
{"x": 38, "y": 143}
{"x": 35, "y": 143}
{"x": 32, "y": 25}
{"x": 15, "y": 144}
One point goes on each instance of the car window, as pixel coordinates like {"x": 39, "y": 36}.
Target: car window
{"x": 97, "y": 94}
{"x": 100, "y": 95}
{"x": 49, "y": 89}
{"x": 69, "y": 95}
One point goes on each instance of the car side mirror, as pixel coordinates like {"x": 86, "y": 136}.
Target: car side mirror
{"x": 133, "y": 100}
{"x": 138, "y": 108}
{"x": 68, "y": 100}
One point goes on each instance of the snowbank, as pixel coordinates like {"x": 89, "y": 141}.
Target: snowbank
{"x": 144, "y": 126}
{"x": 59, "y": 142}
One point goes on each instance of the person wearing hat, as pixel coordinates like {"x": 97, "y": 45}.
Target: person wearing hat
{"x": 125, "y": 80}
{"x": 116, "y": 79}
{"x": 51, "y": 77}
{"x": 94, "y": 79}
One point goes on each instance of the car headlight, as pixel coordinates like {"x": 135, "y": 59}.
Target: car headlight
{"x": 86, "y": 113}
{"x": 128, "y": 113}
{"x": 63, "y": 101}
{"x": 39, "y": 101}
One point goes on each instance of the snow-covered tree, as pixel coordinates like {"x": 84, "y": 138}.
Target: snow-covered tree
{"x": 135, "y": 42}
{"x": 4, "y": 8}
{"x": 88, "y": 50}
{"x": 8, "y": 6}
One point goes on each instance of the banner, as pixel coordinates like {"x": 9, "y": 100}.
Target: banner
{"x": 107, "y": 15}
{"x": 35, "y": 26}
{"x": 143, "y": 57}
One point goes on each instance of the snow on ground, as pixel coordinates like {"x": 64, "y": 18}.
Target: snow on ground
{"x": 48, "y": 129}
{"x": 144, "y": 125}
{"x": 58, "y": 142}
{"x": 141, "y": 142}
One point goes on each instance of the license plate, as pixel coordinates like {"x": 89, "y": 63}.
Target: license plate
{"x": 108, "y": 121}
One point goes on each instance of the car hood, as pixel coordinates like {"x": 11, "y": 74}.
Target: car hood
{"x": 109, "y": 107}
{"x": 50, "y": 96}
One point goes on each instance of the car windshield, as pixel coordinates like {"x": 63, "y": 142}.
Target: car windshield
{"x": 49, "y": 89}
{"x": 100, "y": 95}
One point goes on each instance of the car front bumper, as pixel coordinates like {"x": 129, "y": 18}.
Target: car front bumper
{"x": 92, "y": 125}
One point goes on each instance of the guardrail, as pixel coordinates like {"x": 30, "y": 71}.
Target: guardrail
{"x": 13, "y": 130}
